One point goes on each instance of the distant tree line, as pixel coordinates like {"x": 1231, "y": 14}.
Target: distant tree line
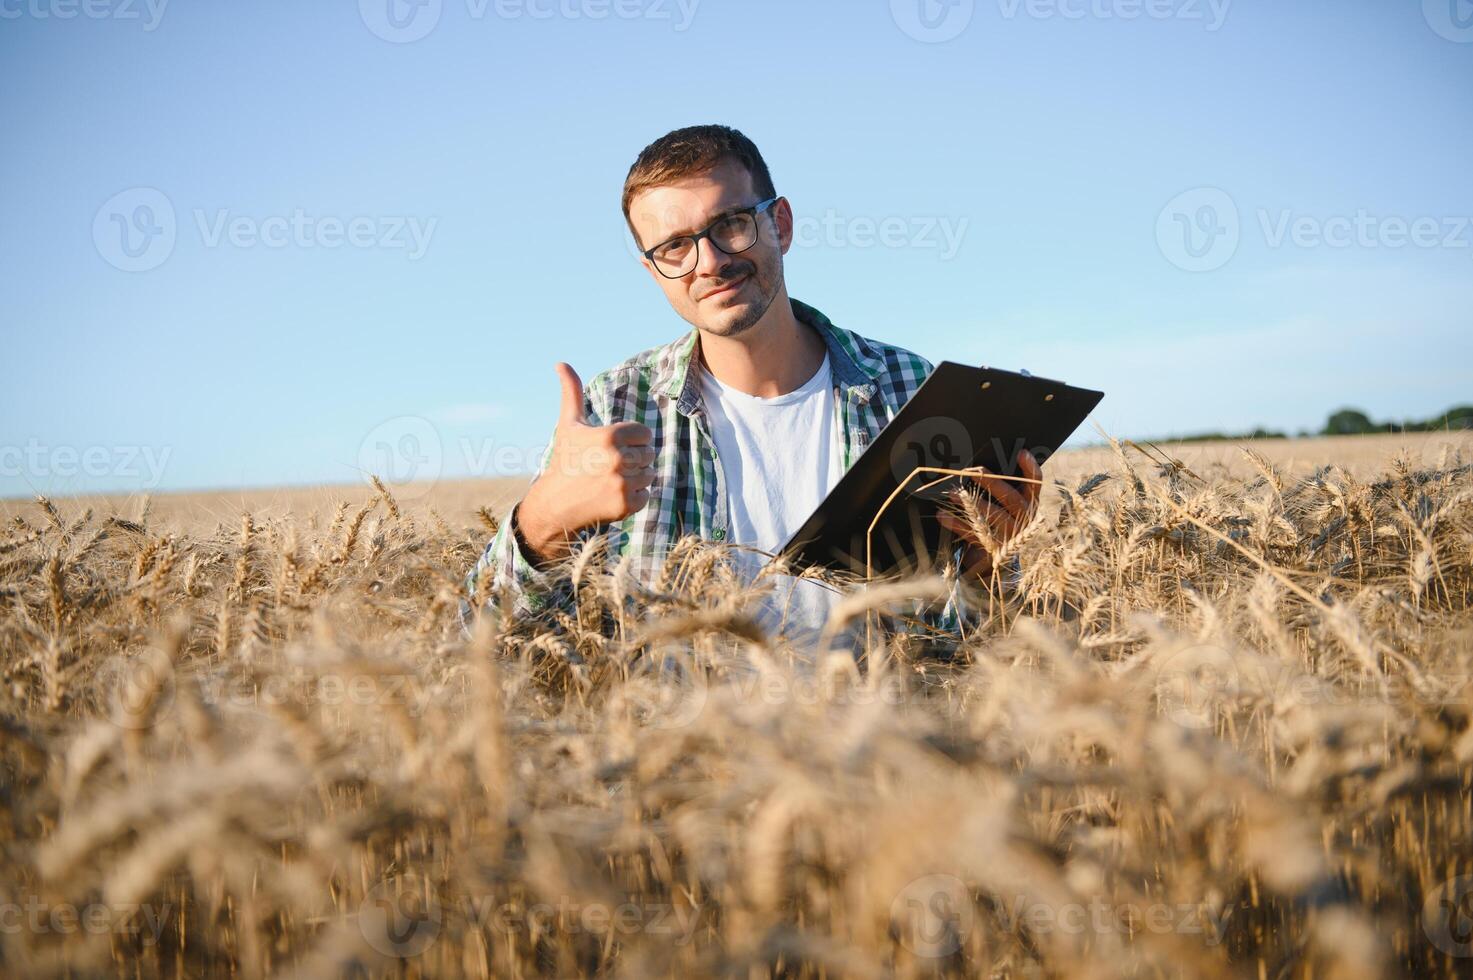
{"x": 1353, "y": 422}
{"x": 1348, "y": 422}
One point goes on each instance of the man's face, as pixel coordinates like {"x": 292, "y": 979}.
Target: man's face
{"x": 723, "y": 294}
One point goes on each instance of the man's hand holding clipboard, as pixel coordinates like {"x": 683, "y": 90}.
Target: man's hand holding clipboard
{"x": 989, "y": 523}
{"x": 895, "y": 510}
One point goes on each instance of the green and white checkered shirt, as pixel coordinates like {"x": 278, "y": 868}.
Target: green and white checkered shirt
{"x": 657, "y": 388}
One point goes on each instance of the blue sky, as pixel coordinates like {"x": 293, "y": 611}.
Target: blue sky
{"x": 388, "y": 223}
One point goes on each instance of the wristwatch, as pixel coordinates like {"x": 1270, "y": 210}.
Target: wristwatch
{"x": 533, "y": 559}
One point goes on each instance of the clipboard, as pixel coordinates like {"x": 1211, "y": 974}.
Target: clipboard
{"x": 959, "y": 417}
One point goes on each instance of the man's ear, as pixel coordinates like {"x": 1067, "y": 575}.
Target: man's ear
{"x": 782, "y": 216}
{"x": 650, "y": 268}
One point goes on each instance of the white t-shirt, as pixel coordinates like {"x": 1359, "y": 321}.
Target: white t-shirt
{"x": 779, "y": 458}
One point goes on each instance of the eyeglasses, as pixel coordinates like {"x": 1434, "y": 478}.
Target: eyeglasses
{"x": 732, "y": 233}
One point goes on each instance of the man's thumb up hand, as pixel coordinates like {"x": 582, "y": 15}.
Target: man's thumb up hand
{"x": 571, "y": 412}
{"x": 595, "y": 474}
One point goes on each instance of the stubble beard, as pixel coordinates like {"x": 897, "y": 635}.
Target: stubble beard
{"x": 748, "y": 316}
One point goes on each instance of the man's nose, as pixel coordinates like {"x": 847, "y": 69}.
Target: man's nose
{"x": 710, "y": 260}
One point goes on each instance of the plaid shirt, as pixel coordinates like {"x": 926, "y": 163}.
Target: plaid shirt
{"x": 657, "y": 388}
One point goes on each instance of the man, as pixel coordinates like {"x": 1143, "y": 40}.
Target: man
{"x": 736, "y": 431}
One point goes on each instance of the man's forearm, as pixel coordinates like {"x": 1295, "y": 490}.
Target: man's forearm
{"x": 508, "y": 565}
{"x": 541, "y": 543}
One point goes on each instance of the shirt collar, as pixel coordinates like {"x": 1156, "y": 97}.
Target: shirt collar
{"x": 852, "y": 364}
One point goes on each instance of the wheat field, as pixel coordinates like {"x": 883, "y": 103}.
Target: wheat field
{"x": 1223, "y": 730}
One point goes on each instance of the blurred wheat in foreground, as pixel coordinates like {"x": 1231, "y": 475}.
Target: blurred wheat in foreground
{"x": 1225, "y": 733}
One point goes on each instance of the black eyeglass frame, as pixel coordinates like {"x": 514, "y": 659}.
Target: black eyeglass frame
{"x": 754, "y": 210}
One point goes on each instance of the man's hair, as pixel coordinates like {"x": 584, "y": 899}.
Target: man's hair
{"x": 691, "y": 151}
